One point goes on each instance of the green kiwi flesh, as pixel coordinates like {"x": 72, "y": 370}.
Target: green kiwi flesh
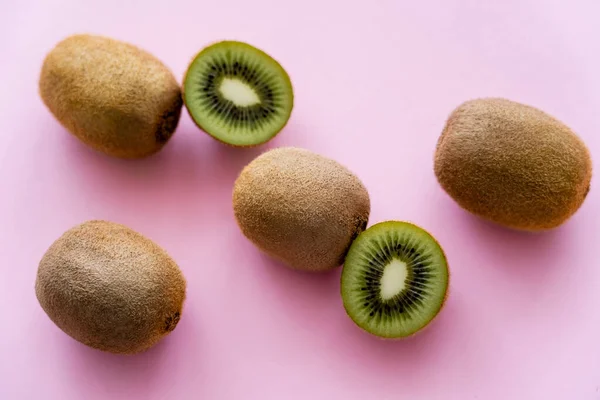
{"x": 238, "y": 94}
{"x": 394, "y": 279}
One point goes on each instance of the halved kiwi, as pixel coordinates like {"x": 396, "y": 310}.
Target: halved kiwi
{"x": 238, "y": 94}
{"x": 394, "y": 279}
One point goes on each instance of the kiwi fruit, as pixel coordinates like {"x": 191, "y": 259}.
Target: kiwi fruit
{"x": 114, "y": 97}
{"x": 512, "y": 164}
{"x": 238, "y": 94}
{"x": 300, "y": 207}
{"x": 394, "y": 280}
{"x": 110, "y": 287}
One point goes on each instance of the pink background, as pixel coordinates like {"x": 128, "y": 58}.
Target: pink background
{"x": 374, "y": 83}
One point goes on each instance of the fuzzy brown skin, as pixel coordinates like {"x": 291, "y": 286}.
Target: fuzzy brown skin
{"x": 110, "y": 288}
{"x": 512, "y": 164}
{"x": 300, "y": 208}
{"x": 114, "y": 97}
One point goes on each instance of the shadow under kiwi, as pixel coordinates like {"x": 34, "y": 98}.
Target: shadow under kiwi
{"x": 119, "y": 374}
{"x": 527, "y": 256}
{"x": 192, "y": 170}
{"x": 174, "y": 358}
{"x": 308, "y": 294}
{"x": 522, "y": 270}
{"x": 406, "y": 359}
{"x": 521, "y": 255}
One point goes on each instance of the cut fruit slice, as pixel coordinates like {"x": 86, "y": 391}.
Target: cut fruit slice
{"x": 238, "y": 94}
{"x": 394, "y": 279}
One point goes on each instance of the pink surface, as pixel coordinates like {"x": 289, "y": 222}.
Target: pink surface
{"x": 374, "y": 84}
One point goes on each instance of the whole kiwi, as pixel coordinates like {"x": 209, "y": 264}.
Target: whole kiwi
{"x": 301, "y": 208}
{"x": 512, "y": 164}
{"x": 110, "y": 287}
{"x": 113, "y": 96}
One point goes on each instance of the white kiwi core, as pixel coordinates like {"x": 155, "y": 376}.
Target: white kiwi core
{"x": 393, "y": 280}
{"x": 238, "y": 92}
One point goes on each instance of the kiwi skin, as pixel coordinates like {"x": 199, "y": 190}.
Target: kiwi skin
{"x": 300, "y": 208}
{"x": 512, "y": 164}
{"x": 114, "y": 97}
{"x": 185, "y": 78}
{"x": 110, "y": 287}
{"x": 446, "y": 292}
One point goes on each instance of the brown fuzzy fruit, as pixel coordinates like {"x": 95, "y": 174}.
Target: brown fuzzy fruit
{"x": 114, "y": 97}
{"x": 300, "y": 208}
{"x": 110, "y": 288}
{"x": 512, "y": 164}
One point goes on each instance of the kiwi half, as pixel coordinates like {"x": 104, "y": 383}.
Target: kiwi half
{"x": 394, "y": 280}
{"x": 238, "y": 94}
